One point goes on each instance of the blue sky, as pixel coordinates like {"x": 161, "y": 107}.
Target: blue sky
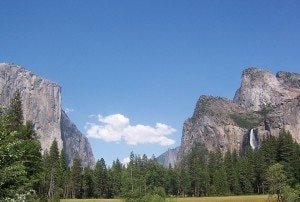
{"x": 132, "y": 71}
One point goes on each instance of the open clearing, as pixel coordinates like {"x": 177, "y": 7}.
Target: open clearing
{"x": 251, "y": 198}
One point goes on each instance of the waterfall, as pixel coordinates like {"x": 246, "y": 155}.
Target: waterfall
{"x": 253, "y": 142}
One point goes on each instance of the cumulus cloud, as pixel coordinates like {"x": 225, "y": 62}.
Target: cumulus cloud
{"x": 116, "y": 127}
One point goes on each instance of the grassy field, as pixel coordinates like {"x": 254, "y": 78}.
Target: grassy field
{"x": 252, "y": 198}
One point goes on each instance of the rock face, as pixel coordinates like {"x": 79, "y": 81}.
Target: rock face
{"x": 264, "y": 103}
{"x": 74, "y": 141}
{"x": 169, "y": 158}
{"x": 41, "y": 101}
{"x": 260, "y": 88}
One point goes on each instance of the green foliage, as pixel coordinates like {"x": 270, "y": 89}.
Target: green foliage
{"x": 20, "y": 157}
{"x": 265, "y": 111}
{"x": 232, "y": 173}
{"x": 201, "y": 173}
{"x": 246, "y": 120}
{"x": 14, "y": 116}
{"x": 88, "y": 185}
{"x": 76, "y": 176}
{"x": 220, "y": 182}
{"x": 277, "y": 180}
{"x": 100, "y": 179}
{"x": 252, "y": 119}
{"x": 115, "y": 174}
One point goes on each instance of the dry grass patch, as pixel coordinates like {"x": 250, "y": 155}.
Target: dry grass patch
{"x": 91, "y": 200}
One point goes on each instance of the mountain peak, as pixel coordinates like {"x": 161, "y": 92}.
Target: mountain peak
{"x": 260, "y": 88}
{"x": 263, "y": 105}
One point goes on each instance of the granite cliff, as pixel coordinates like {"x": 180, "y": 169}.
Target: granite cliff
{"x": 263, "y": 105}
{"x": 169, "y": 158}
{"x": 41, "y": 101}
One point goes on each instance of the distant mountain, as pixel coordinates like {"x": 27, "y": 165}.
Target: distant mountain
{"x": 262, "y": 106}
{"x": 169, "y": 158}
{"x": 41, "y": 101}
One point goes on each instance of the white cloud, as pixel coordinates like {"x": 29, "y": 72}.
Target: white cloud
{"x": 125, "y": 161}
{"x": 116, "y": 127}
{"x": 68, "y": 110}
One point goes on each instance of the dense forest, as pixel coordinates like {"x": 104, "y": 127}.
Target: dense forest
{"x": 28, "y": 175}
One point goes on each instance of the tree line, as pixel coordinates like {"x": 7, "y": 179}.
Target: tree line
{"x": 27, "y": 174}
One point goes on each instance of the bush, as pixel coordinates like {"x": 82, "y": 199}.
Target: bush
{"x": 153, "y": 198}
{"x": 157, "y": 194}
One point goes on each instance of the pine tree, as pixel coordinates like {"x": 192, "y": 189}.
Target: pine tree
{"x": 54, "y": 170}
{"x": 198, "y": 170}
{"x": 184, "y": 182}
{"x": 285, "y": 147}
{"x": 64, "y": 174}
{"x": 14, "y": 116}
{"x": 20, "y": 157}
{"x": 76, "y": 177}
{"x": 268, "y": 149}
{"x": 246, "y": 175}
{"x": 260, "y": 169}
{"x": 232, "y": 175}
{"x": 100, "y": 179}
{"x": 116, "y": 178}
{"x": 172, "y": 183}
{"x": 285, "y": 154}
{"x": 295, "y": 163}
{"x": 220, "y": 181}
{"x": 88, "y": 184}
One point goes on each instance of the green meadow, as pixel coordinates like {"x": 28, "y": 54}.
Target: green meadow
{"x": 250, "y": 198}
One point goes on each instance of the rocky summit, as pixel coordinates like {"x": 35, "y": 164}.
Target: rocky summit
{"x": 262, "y": 106}
{"x": 41, "y": 101}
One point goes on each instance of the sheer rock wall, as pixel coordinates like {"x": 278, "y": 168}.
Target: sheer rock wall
{"x": 41, "y": 101}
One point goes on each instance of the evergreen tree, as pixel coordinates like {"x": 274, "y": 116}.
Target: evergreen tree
{"x": 268, "y": 150}
{"x": 14, "y": 116}
{"x": 198, "y": 170}
{"x": 295, "y": 163}
{"x": 116, "y": 178}
{"x": 100, "y": 179}
{"x": 232, "y": 175}
{"x": 285, "y": 147}
{"x": 54, "y": 170}
{"x": 88, "y": 184}
{"x": 172, "y": 181}
{"x": 204, "y": 180}
{"x": 155, "y": 176}
{"x": 260, "y": 169}
{"x": 76, "y": 177}
{"x": 246, "y": 175}
{"x": 220, "y": 181}
{"x": 20, "y": 157}
{"x": 285, "y": 153}
{"x": 64, "y": 174}
{"x": 184, "y": 182}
